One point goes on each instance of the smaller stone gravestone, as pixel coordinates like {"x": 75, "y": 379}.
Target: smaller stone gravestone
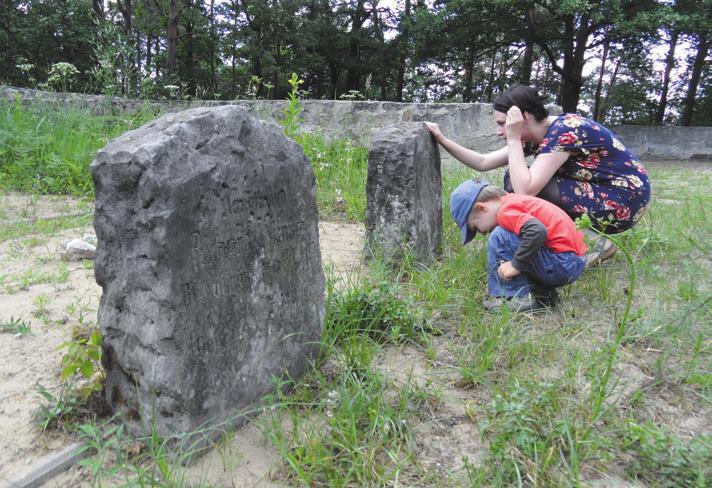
{"x": 404, "y": 193}
{"x": 208, "y": 257}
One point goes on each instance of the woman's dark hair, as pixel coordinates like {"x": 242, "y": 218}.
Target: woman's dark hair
{"x": 524, "y": 97}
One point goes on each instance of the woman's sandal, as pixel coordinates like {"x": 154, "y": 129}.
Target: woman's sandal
{"x": 602, "y": 250}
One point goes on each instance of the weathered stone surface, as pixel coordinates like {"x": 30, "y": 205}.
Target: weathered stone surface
{"x": 667, "y": 142}
{"x": 208, "y": 256}
{"x": 404, "y": 192}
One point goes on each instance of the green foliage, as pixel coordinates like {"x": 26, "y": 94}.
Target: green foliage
{"x": 83, "y": 355}
{"x": 58, "y": 408}
{"x": 486, "y": 343}
{"x": 82, "y": 377}
{"x": 376, "y": 312}
{"x": 43, "y": 150}
{"x": 44, "y": 33}
{"x": 445, "y": 51}
{"x": 26, "y": 69}
{"x": 103, "y": 443}
{"x": 146, "y": 461}
{"x": 62, "y": 76}
{"x": 364, "y": 439}
{"x": 15, "y": 326}
{"x": 43, "y": 227}
{"x": 664, "y": 460}
{"x": 340, "y": 168}
{"x": 112, "y": 53}
{"x": 291, "y": 120}
{"x": 532, "y": 432}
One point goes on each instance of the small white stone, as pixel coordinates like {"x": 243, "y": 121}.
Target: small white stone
{"x": 78, "y": 249}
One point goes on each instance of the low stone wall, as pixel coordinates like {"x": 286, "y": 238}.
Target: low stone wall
{"x": 668, "y": 142}
{"x": 470, "y": 124}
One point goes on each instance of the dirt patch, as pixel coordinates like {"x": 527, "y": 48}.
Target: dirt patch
{"x": 52, "y": 297}
{"x": 20, "y": 207}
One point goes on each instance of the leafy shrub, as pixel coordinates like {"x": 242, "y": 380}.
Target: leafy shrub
{"x": 82, "y": 377}
{"x": 83, "y": 357}
{"x": 533, "y": 432}
{"x": 377, "y": 312}
{"x": 664, "y": 460}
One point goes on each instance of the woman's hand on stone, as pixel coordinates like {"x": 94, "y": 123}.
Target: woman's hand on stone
{"x": 514, "y": 124}
{"x": 435, "y": 131}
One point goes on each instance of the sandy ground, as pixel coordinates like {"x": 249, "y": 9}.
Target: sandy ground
{"x": 69, "y": 295}
{"x": 53, "y": 296}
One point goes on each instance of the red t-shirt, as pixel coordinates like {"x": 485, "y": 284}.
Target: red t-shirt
{"x": 561, "y": 233}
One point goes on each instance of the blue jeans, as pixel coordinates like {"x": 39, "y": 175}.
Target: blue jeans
{"x": 548, "y": 269}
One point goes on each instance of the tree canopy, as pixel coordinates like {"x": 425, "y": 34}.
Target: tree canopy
{"x": 620, "y": 61}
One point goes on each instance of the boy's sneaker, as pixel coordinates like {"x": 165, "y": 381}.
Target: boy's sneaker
{"x": 526, "y": 303}
{"x": 602, "y": 249}
{"x": 548, "y": 297}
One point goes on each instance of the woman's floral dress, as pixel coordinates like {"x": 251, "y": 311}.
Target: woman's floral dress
{"x": 601, "y": 178}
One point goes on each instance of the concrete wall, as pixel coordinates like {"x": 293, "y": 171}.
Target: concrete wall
{"x": 668, "y": 142}
{"x": 470, "y": 124}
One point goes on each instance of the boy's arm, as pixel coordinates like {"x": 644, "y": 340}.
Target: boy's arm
{"x": 533, "y": 235}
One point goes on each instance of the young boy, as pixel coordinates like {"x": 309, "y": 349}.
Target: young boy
{"x": 534, "y": 246}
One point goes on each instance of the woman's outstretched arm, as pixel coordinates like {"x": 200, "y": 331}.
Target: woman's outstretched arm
{"x": 468, "y": 157}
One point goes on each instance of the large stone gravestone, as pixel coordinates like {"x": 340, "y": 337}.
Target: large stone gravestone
{"x": 208, "y": 256}
{"x": 404, "y": 193}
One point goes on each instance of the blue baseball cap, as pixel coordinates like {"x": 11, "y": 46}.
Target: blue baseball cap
{"x": 461, "y": 201}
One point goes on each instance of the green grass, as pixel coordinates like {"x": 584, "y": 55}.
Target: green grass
{"x": 43, "y": 227}
{"x": 15, "y": 326}
{"x": 558, "y": 399}
{"x": 49, "y": 151}
{"x": 340, "y": 169}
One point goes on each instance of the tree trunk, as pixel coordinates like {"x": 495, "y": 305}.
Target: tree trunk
{"x": 611, "y": 84}
{"x": 503, "y": 61}
{"x": 189, "y": 50}
{"x": 126, "y": 10}
{"x": 572, "y": 71}
{"x": 403, "y": 47}
{"x": 382, "y": 57}
{"x": 689, "y": 104}
{"x": 669, "y": 65}
{"x": 576, "y": 34}
{"x": 213, "y": 41}
{"x": 525, "y": 76}
{"x": 97, "y": 7}
{"x": 489, "y": 91}
{"x": 233, "y": 67}
{"x": 469, "y": 68}
{"x": 353, "y": 75}
{"x": 149, "y": 59}
{"x": 172, "y": 36}
{"x": 137, "y": 39}
{"x": 333, "y": 80}
{"x": 525, "y": 73}
{"x": 157, "y": 51}
{"x": 275, "y": 93}
{"x": 599, "y": 84}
